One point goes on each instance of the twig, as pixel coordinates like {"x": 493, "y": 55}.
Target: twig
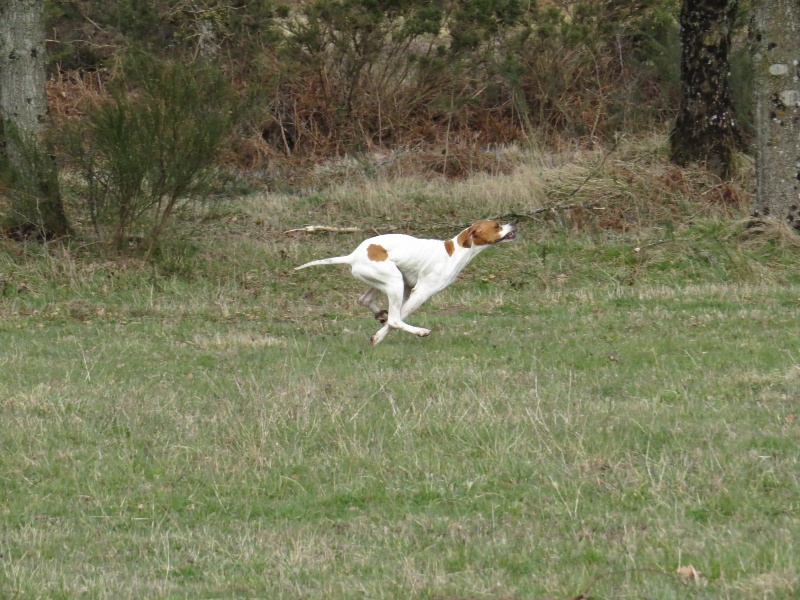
{"x": 531, "y": 214}
{"x": 594, "y": 172}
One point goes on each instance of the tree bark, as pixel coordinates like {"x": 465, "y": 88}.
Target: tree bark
{"x": 36, "y": 201}
{"x": 775, "y": 44}
{"x": 705, "y": 130}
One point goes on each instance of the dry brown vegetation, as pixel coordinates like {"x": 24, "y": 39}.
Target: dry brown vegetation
{"x": 446, "y": 81}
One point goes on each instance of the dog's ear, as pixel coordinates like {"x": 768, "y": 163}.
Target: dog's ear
{"x": 466, "y": 236}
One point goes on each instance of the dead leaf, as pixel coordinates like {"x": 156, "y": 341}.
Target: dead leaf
{"x": 689, "y": 572}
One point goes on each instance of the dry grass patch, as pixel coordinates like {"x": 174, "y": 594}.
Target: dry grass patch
{"x": 630, "y": 188}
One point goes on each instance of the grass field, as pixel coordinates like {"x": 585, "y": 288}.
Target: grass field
{"x": 596, "y": 408}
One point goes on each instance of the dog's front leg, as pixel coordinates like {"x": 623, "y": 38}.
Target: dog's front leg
{"x": 412, "y": 301}
{"x": 392, "y": 284}
{"x": 416, "y": 299}
{"x": 379, "y": 335}
{"x": 396, "y": 320}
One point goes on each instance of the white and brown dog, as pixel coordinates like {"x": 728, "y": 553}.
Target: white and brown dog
{"x": 410, "y": 270}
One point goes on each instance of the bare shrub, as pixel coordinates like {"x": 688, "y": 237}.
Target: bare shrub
{"x": 147, "y": 151}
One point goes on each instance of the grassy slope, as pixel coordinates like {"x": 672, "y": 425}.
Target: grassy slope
{"x": 584, "y": 413}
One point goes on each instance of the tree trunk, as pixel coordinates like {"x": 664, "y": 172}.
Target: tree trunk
{"x": 775, "y": 43}
{"x": 36, "y": 201}
{"x": 705, "y": 130}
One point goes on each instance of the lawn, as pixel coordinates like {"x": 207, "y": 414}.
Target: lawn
{"x": 598, "y": 413}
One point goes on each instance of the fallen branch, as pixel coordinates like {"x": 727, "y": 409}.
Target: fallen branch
{"x": 520, "y": 216}
{"x": 331, "y": 229}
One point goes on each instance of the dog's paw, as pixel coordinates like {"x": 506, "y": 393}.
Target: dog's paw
{"x": 379, "y": 336}
{"x": 423, "y": 332}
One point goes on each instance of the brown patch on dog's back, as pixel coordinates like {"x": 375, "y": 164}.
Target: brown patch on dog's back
{"x": 377, "y": 253}
{"x": 450, "y": 247}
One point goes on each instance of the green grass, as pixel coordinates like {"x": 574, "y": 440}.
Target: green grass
{"x": 585, "y": 417}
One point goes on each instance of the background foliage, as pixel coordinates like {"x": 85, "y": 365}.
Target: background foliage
{"x": 288, "y": 90}
{"x": 333, "y": 76}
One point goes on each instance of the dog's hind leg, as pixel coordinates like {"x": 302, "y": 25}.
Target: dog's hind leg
{"x": 368, "y": 299}
{"x": 386, "y": 277}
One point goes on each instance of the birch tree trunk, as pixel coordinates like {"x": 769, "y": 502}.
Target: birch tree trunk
{"x": 705, "y": 130}
{"x": 36, "y": 202}
{"x": 775, "y": 43}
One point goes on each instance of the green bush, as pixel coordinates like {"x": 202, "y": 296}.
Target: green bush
{"x": 148, "y": 151}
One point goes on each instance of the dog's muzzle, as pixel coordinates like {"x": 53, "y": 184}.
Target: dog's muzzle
{"x": 512, "y": 233}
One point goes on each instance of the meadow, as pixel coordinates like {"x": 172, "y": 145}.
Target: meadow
{"x": 606, "y": 408}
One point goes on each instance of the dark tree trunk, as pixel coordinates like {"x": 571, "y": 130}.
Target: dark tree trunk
{"x": 36, "y": 201}
{"x": 705, "y": 130}
{"x": 775, "y": 42}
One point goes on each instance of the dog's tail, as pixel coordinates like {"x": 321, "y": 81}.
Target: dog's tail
{"x": 336, "y": 260}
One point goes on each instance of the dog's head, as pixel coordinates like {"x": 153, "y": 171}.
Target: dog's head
{"x": 487, "y": 233}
